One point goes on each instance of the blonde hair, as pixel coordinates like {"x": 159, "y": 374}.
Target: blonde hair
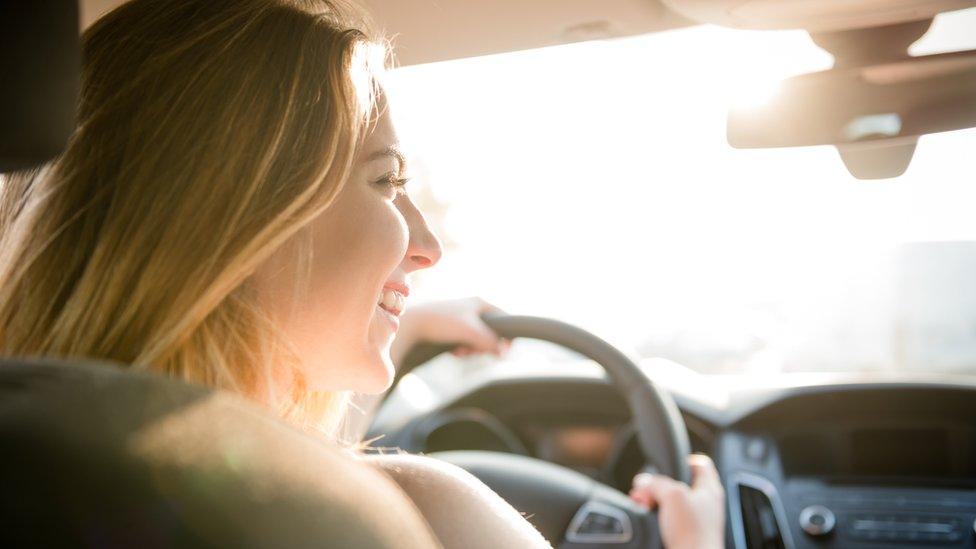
{"x": 209, "y": 133}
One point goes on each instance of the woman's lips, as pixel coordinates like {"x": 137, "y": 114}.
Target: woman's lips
{"x": 399, "y": 287}
{"x": 390, "y": 317}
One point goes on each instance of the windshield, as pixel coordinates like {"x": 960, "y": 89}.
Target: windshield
{"x": 593, "y": 183}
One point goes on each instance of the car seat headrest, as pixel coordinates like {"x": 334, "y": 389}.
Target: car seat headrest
{"x": 40, "y": 64}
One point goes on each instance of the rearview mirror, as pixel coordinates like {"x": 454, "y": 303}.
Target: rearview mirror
{"x": 873, "y": 113}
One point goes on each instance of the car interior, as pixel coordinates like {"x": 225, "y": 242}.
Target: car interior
{"x": 864, "y": 438}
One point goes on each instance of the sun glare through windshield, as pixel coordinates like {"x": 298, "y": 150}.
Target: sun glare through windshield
{"x": 593, "y": 183}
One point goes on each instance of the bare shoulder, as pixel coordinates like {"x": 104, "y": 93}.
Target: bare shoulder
{"x": 461, "y": 509}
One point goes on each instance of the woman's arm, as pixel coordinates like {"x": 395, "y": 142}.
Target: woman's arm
{"x": 452, "y": 321}
{"x": 461, "y": 510}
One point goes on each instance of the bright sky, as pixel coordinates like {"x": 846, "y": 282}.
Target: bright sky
{"x": 593, "y": 183}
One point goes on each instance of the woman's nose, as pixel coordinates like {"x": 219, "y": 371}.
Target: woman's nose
{"x": 424, "y": 248}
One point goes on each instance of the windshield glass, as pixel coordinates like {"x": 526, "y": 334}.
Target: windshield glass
{"x": 593, "y": 183}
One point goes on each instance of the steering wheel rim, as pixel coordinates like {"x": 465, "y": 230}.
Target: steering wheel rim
{"x": 660, "y": 429}
{"x": 561, "y": 499}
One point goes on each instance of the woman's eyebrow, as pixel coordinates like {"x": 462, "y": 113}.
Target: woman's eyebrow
{"x": 391, "y": 151}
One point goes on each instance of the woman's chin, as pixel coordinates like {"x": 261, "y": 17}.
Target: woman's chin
{"x": 378, "y": 375}
{"x": 372, "y": 375}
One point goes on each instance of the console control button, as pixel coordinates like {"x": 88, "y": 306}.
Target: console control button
{"x": 906, "y": 528}
{"x": 817, "y": 520}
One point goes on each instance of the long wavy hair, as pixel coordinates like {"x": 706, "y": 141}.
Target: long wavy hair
{"x": 209, "y": 133}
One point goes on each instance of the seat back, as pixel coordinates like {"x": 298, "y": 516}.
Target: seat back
{"x": 99, "y": 456}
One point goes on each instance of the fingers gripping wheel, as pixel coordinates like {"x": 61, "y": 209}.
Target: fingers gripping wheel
{"x": 660, "y": 429}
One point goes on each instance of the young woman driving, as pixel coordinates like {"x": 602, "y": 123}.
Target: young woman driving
{"x": 233, "y": 211}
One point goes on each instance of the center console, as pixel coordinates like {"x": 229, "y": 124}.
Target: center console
{"x": 857, "y": 478}
{"x": 882, "y": 484}
{"x": 845, "y": 515}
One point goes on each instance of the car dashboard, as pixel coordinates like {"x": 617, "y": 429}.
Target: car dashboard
{"x": 826, "y": 460}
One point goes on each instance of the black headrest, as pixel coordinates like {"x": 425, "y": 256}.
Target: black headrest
{"x": 99, "y": 456}
{"x": 40, "y": 67}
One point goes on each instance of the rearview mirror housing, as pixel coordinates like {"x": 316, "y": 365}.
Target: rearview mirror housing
{"x": 874, "y": 114}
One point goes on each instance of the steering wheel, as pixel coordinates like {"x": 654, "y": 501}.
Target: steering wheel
{"x": 569, "y": 508}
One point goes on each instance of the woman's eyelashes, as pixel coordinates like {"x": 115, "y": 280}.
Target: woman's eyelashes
{"x": 393, "y": 184}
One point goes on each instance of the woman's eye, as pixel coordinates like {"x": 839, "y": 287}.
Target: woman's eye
{"x": 393, "y": 183}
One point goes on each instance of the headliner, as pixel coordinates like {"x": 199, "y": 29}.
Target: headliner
{"x": 425, "y": 31}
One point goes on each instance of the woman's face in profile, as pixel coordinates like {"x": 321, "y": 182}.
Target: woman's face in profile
{"x": 364, "y": 246}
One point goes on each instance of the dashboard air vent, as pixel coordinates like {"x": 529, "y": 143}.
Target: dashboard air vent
{"x": 759, "y": 520}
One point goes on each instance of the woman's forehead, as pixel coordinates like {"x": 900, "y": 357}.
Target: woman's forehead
{"x": 382, "y": 139}
{"x": 382, "y": 131}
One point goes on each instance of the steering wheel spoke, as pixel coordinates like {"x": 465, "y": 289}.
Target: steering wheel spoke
{"x": 611, "y": 524}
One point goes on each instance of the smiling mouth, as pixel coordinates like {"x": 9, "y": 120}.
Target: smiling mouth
{"x": 392, "y": 301}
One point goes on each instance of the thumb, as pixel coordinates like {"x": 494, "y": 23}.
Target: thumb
{"x": 703, "y": 472}
{"x": 651, "y": 490}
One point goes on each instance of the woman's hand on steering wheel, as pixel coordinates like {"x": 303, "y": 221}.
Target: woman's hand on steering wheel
{"x": 689, "y": 516}
{"x": 455, "y": 321}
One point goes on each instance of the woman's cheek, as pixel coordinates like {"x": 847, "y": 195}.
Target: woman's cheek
{"x": 398, "y": 235}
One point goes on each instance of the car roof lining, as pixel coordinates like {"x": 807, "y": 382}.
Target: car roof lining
{"x": 425, "y": 31}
